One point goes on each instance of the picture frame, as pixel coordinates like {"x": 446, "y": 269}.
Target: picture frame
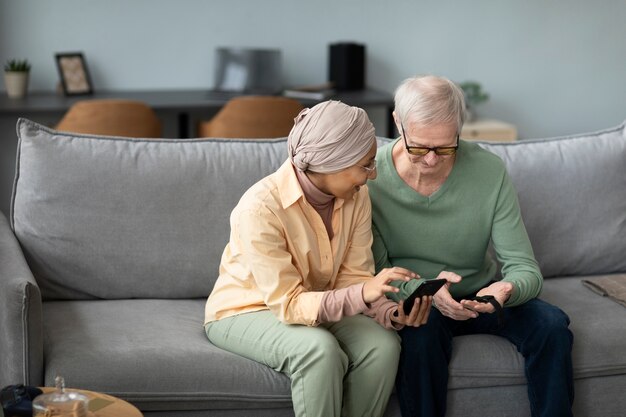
{"x": 74, "y": 74}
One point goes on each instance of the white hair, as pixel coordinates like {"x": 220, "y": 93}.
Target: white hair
{"x": 428, "y": 100}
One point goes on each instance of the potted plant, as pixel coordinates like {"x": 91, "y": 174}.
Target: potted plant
{"x": 16, "y": 77}
{"x": 474, "y": 95}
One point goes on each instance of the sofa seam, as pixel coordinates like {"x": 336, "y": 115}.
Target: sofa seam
{"x": 201, "y": 396}
{"x": 18, "y": 158}
{"x": 25, "y": 338}
{"x": 39, "y": 128}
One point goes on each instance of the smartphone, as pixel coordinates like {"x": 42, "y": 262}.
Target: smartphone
{"x": 428, "y": 287}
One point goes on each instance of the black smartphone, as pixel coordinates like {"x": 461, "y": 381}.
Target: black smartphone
{"x": 428, "y": 287}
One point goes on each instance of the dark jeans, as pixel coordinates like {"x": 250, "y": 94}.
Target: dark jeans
{"x": 539, "y": 331}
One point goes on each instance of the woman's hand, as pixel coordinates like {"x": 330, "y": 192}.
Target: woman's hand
{"x": 379, "y": 285}
{"x": 418, "y": 315}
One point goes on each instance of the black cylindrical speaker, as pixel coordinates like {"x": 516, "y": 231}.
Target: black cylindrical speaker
{"x": 346, "y": 66}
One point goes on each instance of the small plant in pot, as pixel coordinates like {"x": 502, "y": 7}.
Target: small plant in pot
{"x": 474, "y": 95}
{"x": 16, "y": 77}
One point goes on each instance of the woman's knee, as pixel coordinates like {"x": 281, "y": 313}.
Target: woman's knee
{"x": 322, "y": 351}
{"x": 385, "y": 351}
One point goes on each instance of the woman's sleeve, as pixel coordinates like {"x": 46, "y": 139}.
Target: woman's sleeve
{"x": 345, "y": 302}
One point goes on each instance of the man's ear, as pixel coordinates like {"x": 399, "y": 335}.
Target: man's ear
{"x": 396, "y": 120}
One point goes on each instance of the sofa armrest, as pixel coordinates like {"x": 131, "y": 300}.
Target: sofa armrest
{"x": 21, "y": 324}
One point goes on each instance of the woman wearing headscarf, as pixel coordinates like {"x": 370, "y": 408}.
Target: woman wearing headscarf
{"x": 296, "y": 289}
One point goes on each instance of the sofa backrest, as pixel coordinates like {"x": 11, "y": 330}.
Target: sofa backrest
{"x": 572, "y": 193}
{"x": 110, "y": 217}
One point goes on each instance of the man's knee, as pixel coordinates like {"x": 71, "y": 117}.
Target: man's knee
{"x": 423, "y": 337}
{"x": 552, "y": 324}
{"x": 556, "y": 326}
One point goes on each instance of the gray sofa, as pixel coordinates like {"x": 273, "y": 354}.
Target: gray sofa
{"x": 113, "y": 245}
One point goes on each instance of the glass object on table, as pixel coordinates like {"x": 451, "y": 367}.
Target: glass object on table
{"x": 61, "y": 402}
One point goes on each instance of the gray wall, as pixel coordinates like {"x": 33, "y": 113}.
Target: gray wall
{"x": 551, "y": 67}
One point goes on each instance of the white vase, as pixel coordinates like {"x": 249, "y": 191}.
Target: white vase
{"x": 16, "y": 83}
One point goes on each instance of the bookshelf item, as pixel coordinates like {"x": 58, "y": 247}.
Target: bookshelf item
{"x": 311, "y": 92}
{"x": 489, "y": 130}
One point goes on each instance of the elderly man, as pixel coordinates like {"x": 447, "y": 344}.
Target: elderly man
{"x": 437, "y": 203}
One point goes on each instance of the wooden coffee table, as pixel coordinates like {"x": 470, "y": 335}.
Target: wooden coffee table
{"x": 103, "y": 405}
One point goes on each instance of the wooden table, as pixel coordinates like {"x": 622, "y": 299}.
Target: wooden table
{"x": 103, "y": 405}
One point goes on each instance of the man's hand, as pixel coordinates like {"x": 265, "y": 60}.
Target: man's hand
{"x": 500, "y": 290}
{"x": 447, "y": 305}
{"x": 418, "y": 315}
{"x": 379, "y": 285}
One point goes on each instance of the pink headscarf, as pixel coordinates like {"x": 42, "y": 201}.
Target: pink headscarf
{"x": 330, "y": 137}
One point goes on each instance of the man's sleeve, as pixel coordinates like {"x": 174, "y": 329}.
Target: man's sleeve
{"x": 513, "y": 248}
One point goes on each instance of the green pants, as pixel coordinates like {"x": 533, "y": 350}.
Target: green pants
{"x": 346, "y": 368}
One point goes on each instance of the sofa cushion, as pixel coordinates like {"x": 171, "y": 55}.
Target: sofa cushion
{"x": 572, "y": 192}
{"x": 597, "y": 323}
{"x": 155, "y": 354}
{"x": 111, "y": 217}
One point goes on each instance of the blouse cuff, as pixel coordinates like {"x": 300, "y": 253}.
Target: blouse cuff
{"x": 381, "y": 310}
{"x": 344, "y": 302}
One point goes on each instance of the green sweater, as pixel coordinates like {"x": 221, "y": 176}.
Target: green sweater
{"x": 451, "y": 230}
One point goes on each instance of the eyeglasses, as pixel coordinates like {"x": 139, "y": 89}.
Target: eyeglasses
{"x": 423, "y": 150}
{"x": 369, "y": 168}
